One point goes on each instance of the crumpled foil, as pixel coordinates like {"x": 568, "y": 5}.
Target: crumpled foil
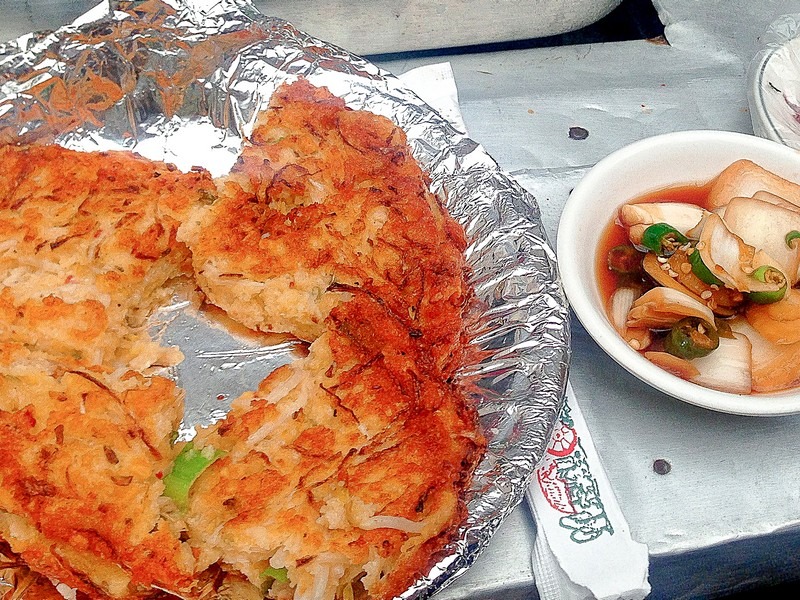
{"x": 182, "y": 81}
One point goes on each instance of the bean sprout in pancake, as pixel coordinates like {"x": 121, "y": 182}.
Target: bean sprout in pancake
{"x": 342, "y": 474}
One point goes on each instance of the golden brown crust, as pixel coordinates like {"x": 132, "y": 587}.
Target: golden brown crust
{"x": 88, "y": 240}
{"x": 81, "y": 483}
{"x": 88, "y": 246}
{"x": 19, "y": 582}
{"x": 324, "y": 199}
{"x": 365, "y": 438}
{"x": 346, "y": 468}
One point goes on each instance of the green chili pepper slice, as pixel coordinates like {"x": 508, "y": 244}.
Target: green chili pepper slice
{"x": 188, "y": 466}
{"x": 663, "y": 239}
{"x": 625, "y": 260}
{"x": 767, "y": 274}
{"x": 700, "y": 269}
{"x": 690, "y": 338}
{"x": 281, "y": 574}
{"x": 791, "y": 237}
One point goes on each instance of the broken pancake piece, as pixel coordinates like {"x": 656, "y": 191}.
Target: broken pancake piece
{"x": 324, "y": 199}
{"x": 88, "y": 250}
{"x": 326, "y": 229}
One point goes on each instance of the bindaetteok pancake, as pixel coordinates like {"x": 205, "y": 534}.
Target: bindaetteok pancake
{"x": 342, "y": 475}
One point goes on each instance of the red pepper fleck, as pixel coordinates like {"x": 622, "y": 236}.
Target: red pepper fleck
{"x": 29, "y": 419}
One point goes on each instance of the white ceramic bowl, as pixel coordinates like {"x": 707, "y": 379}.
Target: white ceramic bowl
{"x": 646, "y": 166}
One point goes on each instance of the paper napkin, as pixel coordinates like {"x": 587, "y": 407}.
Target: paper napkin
{"x": 583, "y": 547}
{"x": 436, "y": 85}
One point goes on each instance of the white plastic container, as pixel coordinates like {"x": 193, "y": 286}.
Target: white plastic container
{"x": 774, "y": 83}
{"x": 379, "y": 26}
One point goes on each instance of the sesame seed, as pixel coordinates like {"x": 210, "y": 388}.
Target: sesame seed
{"x": 706, "y": 295}
{"x": 634, "y": 344}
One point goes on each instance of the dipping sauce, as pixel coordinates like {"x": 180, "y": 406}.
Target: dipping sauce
{"x": 615, "y": 234}
{"x": 701, "y": 279}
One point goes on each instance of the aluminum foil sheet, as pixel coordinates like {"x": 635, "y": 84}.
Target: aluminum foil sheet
{"x": 182, "y": 81}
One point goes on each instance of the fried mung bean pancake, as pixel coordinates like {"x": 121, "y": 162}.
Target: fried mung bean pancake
{"x": 342, "y": 475}
{"x": 87, "y": 244}
{"x": 80, "y": 498}
{"x": 88, "y": 251}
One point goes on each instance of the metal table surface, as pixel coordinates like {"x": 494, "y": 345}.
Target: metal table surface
{"x": 725, "y": 518}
